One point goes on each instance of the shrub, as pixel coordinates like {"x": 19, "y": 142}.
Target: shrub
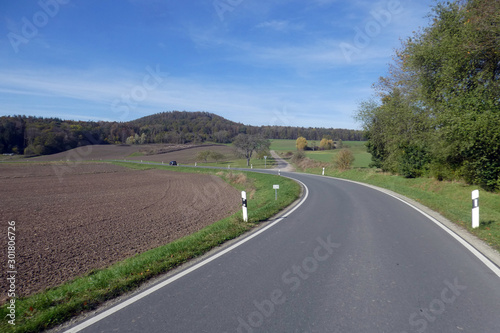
{"x": 343, "y": 160}
{"x": 298, "y": 156}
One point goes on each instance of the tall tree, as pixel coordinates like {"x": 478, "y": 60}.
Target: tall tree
{"x": 439, "y": 105}
{"x": 247, "y": 144}
{"x": 301, "y": 143}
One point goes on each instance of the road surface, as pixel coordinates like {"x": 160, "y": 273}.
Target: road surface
{"x": 348, "y": 259}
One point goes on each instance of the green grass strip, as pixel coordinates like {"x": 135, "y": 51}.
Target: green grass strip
{"x": 57, "y": 305}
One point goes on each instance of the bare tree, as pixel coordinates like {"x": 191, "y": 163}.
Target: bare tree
{"x": 247, "y": 144}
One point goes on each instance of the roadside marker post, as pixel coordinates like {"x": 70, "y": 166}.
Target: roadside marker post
{"x": 323, "y": 173}
{"x": 265, "y": 162}
{"x": 475, "y": 208}
{"x": 244, "y": 205}
{"x": 279, "y": 172}
{"x": 276, "y": 188}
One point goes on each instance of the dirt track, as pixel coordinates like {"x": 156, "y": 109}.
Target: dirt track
{"x": 94, "y": 214}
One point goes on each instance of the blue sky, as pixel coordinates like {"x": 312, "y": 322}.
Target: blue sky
{"x": 296, "y": 63}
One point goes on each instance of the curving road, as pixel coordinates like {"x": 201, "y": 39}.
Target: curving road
{"x": 347, "y": 259}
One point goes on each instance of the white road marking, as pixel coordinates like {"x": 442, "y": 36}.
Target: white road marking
{"x": 468, "y": 246}
{"x": 147, "y": 292}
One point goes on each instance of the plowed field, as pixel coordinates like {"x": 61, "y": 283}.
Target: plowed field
{"x": 95, "y": 214}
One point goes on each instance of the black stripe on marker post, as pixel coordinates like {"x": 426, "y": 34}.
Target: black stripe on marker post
{"x": 475, "y": 203}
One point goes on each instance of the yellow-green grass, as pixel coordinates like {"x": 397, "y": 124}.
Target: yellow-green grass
{"x": 56, "y": 305}
{"x": 281, "y": 145}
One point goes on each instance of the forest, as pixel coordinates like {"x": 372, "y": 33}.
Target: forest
{"x": 41, "y": 136}
{"x": 437, "y": 111}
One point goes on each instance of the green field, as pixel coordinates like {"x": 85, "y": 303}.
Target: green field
{"x": 361, "y": 157}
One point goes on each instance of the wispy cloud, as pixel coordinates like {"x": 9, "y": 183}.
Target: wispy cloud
{"x": 279, "y": 25}
{"x": 88, "y": 98}
{"x": 265, "y": 56}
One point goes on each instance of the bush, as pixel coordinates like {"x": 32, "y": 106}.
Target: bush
{"x": 203, "y": 155}
{"x": 343, "y": 160}
{"x": 217, "y": 156}
{"x": 298, "y": 156}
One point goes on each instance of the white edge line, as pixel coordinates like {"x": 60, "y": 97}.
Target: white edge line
{"x": 466, "y": 244}
{"x": 151, "y": 290}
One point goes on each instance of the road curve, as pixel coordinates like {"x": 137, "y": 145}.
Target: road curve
{"x": 349, "y": 259}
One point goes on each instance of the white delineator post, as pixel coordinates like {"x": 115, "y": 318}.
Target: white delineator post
{"x": 244, "y": 205}
{"x": 475, "y": 208}
{"x": 276, "y": 188}
{"x": 323, "y": 173}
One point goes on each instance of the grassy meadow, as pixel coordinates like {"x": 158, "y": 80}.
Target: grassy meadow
{"x": 361, "y": 157}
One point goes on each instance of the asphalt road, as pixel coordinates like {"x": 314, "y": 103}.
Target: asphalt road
{"x": 348, "y": 259}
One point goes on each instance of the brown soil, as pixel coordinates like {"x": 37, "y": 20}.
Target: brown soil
{"x": 96, "y": 214}
{"x": 184, "y": 154}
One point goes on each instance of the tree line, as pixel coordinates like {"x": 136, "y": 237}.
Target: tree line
{"x": 41, "y": 136}
{"x": 437, "y": 112}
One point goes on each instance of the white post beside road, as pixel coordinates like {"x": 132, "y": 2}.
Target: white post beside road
{"x": 475, "y": 208}
{"x": 323, "y": 173}
{"x": 276, "y": 188}
{"x": 244, "y": 205}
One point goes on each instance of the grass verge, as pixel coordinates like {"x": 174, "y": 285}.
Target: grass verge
{"x": 450, "y": 199}
{"x": 57, "y": 305}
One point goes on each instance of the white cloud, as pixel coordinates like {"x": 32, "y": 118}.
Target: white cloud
{"x": 279, "y": 25}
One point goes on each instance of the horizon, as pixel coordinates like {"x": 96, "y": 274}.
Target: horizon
{"x": 211, "y": 113}
{"x": 282, "y": 63}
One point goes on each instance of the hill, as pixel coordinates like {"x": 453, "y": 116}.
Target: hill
{"x": 42, "y": 136}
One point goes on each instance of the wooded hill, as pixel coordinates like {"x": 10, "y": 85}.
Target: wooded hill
{"x": 41, "y": 136}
